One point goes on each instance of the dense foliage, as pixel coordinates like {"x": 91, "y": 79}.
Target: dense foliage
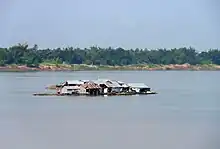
{"x": 32, "y": 56}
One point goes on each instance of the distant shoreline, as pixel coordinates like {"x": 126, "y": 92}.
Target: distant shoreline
{"x": 83, "y": 67}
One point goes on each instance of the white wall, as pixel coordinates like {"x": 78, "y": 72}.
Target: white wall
{"x": 105, "y": 90}
{"x": 82, "y": 90}
{"x": 116, "y": 89}
{"x": 136, "y": 90}
{"x": 65, "y": 91}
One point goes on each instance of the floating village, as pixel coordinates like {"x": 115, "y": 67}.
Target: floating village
{"x": 99, "y": 87}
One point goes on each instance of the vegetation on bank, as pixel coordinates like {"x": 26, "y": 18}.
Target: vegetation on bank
{"x": 84, "y": 67}
{"x": 96, "y": 58}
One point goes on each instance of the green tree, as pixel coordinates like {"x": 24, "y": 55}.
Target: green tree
{"x": 33, "y": 56}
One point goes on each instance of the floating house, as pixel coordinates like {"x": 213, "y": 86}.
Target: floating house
{"x": 90, "y": 88}
{"x": 70, "y": 87}
{"x": 124, "y": 86}
{"x": 110, "y": 86}
{"x": 102, "y": 87}
{"x": 73, "y": 83}
{"x": 113, "y": 86}
{"x": 68, "y": 90}
{"x": 102, "y": 84}
{"x": 139, "y": 87}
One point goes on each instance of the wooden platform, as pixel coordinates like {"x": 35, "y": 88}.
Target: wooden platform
{"x": 109, "y": 94}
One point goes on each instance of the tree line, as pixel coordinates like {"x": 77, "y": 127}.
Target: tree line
{"x": 22, "y": 54}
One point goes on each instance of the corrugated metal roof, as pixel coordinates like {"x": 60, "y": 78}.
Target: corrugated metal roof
{"x": 138, "y": 85}
{"x": 107, "y": 82}
{"x": 75, "y": 82}
{"x": 90, "y": 85}
{"x": 84, "y": 81}
{"x": 72, "y": 87}
{"x": 113, "y": 83}
{"x": 123, "y": 84}
{"x": 100, "y": 81}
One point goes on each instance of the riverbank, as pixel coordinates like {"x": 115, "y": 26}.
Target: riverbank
{"x": 84, "y": 67}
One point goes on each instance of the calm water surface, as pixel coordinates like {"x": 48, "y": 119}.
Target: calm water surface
{"x": 184, "y": 115}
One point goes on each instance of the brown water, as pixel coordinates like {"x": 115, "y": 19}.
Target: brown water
{"x": 184, "y": 115}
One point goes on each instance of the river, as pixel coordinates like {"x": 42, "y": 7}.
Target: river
{"x": 184, "y": 115}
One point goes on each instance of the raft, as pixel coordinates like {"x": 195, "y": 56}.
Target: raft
{"x": 108, "y": 94}
{"x": 46, "y": 94}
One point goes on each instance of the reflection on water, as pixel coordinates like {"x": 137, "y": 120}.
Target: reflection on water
{"x": 185, "y": 113}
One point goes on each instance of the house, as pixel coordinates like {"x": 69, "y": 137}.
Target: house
{"x": 73, "y": 83}
{"x": 90, "y": 88}
{"x": 114, "y": 86}
{"x": 108, "y": 86}
{"x": 70, "y": 87}
{"x": 138, "y": 87}
{"x": 75, "y": 87}
{"x": 100, "y": 87}
{"x": 102, "y": 84}
{"x": 124, "y": 86}
{"x": 68, "y": 90}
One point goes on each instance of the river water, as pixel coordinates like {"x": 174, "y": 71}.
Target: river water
{"x": 184, "y": 115}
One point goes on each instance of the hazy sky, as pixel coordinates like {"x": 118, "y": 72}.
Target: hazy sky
{"x": 124, "y": 23}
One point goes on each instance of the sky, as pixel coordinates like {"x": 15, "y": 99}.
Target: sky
{"x": 117, "y": 23}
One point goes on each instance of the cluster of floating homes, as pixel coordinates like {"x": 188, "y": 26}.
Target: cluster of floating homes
{"x": 101, "y": 87}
